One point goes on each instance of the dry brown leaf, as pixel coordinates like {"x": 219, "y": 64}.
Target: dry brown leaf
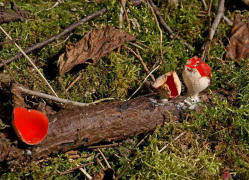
{"x": 93, "y": 46}
{"x": 238, "y": 47}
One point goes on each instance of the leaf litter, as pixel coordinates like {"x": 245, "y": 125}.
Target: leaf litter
{"x": 93, "y": 46}
{"x": 238, "y": 47}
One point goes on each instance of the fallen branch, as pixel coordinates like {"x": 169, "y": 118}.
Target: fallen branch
{"x": 57, "y": 99}
{"x": 85, "y": 126}
{"x": 56, "y": 37}
{"x": 213, "y": 28}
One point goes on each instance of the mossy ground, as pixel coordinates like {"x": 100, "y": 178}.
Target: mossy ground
{"x": 217, "y": 137}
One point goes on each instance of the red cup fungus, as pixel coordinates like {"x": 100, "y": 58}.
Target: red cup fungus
{"x": 169, "y": 85}
{"x": 31, "y": 126}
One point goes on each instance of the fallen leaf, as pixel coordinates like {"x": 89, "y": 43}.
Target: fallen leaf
{"x": 93, "y": 46}
{"x": 238, "y": 47}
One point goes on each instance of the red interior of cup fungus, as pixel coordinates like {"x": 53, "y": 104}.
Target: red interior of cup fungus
{"x": 172, "y": 86}
{"x": 31, "y": 126}
{"x": 169, "y": 85}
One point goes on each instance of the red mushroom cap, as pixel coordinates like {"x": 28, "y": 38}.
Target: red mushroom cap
{"x": 193, "y": 62}
{"x": 31, "y": 126}
{"x": 203, "y": 68}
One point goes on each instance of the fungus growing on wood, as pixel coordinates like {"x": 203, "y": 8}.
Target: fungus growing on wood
{"x": 31, "y": 126}
{"x": 169, "y": 85}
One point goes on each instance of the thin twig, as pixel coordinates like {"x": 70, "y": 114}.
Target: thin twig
{"x": 142, "y": 140}
{"x": 204, "y": 4}
{"x": 9, "y": 41}
{"x": 121, "y": 14}
{"x": 123, "y": 3}
{"x": 75, "y": 168}
{"x": 161, "y": 20}
{"x": 136, "y": 45}
{"x": 104, "y": 146}
{"x": 66, "y": 101}
{"x": 59, "y": 43}
{"x": 30, "y": 61}
{"x": 164, "y": 147}
{"x": 107, "y": 163}
{"x": 143, "y": 82}
{"x": 74, "y": 81}
{"x": 144, "y": 45}
{"x": 56, "y": 37}
{"x": 210, "y": 7}
{"x": 141, "y": 61}
{"x": 55, "y": 4}
{"x": 161, "y": 33}
{"x": 213, "y": 28}
{"x": 166, "y": 27}
{"x": 228, "y": 21}
{"x": 217, "y": 19}
{"x": 144, "y": 65}
{"x": 12, "y": 77}
{"x": 128, "y": 165}
{"x": 100, "y": 163}
{"x": 85, "y": 173}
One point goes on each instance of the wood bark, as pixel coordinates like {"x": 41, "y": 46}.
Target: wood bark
{"x": 85, "y": 126}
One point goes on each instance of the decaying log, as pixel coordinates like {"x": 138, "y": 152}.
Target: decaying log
{"x": 85, "y": 126}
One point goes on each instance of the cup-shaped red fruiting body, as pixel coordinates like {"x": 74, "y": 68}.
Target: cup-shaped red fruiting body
{"x": 169, "y": 85}
{"x": 31, "y": 126}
